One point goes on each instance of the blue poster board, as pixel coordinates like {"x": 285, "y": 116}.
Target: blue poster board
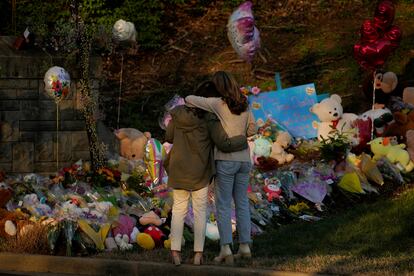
{"x": 290, "y": 107}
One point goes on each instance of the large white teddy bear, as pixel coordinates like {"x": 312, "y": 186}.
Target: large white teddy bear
{"x": 332, "y": 118}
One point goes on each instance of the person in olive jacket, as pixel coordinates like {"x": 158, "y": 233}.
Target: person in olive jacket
{"x": 194, "y": 133}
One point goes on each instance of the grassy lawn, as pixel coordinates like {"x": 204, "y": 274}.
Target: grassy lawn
{"x": 376, "y": 237}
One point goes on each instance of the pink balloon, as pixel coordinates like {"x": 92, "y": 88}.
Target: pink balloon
{"x": 242, "y": 33}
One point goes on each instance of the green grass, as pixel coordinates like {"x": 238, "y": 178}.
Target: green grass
{"x": 368, "y": 237}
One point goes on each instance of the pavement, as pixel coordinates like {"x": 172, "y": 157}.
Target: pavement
{"x": 23, "y": 264}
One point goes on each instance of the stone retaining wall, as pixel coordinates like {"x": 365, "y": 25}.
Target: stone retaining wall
{"x": 28, "y": 115}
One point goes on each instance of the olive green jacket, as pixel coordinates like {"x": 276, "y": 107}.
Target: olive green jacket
{"x": 190, "y": 164}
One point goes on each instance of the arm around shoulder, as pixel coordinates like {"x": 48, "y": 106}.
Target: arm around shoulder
{"x": 208, "y": 104}
{"x": 221, "y": 139}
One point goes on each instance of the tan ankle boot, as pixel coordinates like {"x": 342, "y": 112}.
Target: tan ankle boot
{"x": 244, "y": 252}
{"x": 225, "y": 256}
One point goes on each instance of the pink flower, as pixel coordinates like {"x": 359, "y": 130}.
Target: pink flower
{"x": 255, "y": 90}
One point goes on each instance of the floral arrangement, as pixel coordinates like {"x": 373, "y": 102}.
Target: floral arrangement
{"x": 105, "y": 176}
{"x": 248, "y": 90}
{"x": 69, "y": 175}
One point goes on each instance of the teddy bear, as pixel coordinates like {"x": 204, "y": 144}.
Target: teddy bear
{"x": 132, "y": 143}
{"x": 331, "y": 116}
{"x": 401, "y": 124}
{"x": 382, "y": 147}
{"x": 278, "y": 148}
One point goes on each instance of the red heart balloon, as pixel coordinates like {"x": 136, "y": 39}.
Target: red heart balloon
{"x": 394, "y": 34}
{"x": 372, "y": 55}
{"x": 384, "y": 14}
{"x": 378, "y": 37}
{"x": 369, "y": 31}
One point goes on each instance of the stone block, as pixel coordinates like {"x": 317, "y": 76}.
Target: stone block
{"x": 29, "y": 136}
{"x": 30, "y": 110}
{"x": 45, "y": 146}
{"x": 8, "y": 94}
{"x": 65, "y": 146}
{"x": 37, "y": 125}
{"x": 5, "y": 152}
{"x": 42, "y": 93}
{"x": 84, "y": 155}
{"x": 48, "y": 110}
{"x": 49, "y": 125}
{"x": 50, "y": 167}
{"x": 34, "y": 84}
{"x": 9, "y": 105}
{"x": 21, "y": 83}
{"x": 23, "y": 157}
{"x": 80, "y": 141}
{"x": 6, "y": 83}
{"x": 32, "y": 94}
{"x": 6, "y": 167}
{"x": 10, "y": 126}
{"x": 73, "y": 125}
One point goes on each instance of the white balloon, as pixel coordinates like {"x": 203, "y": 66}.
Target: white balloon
{"x": 124, "y": 31}
{"x": 57, "y": 83}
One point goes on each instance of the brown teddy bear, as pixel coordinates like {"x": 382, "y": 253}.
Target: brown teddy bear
{"x": 402, "y": 123}
{"x": 132, "y": 143}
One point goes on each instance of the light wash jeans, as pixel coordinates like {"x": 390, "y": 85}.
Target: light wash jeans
{"x": 179, "y": 211}
{"x": 231, "y": 182}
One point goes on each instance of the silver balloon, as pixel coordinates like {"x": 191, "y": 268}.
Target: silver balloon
{"x": 57, "y": 83}
{"x": 242, "y": 32}
{"x": 124, "y": 31}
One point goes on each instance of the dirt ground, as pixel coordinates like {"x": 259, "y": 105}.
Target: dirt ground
{"x": 306, "y": 41}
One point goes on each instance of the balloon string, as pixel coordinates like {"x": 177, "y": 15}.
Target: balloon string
{"x": 57, "y": 136}
{"x": 120, "y": 90}
{"x": 373, "y": 107}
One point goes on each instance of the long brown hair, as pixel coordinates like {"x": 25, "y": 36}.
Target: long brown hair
{"x": 206, "y": 89}
{"x": 229, "y": 90}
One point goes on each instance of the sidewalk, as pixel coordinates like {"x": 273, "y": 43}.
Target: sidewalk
{"x": 20, "y": 264}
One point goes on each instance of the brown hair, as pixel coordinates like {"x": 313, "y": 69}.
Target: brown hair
{"x": 206, "y": 89}
{"x": 229, "y": 90}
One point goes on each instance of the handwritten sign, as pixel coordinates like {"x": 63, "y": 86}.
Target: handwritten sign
{"x": 290, "y": 107}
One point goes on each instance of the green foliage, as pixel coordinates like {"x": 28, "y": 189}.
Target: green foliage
{"x": 335, "y": 147}
{"x": 50, "y": 20}
{"x": 136, "y": 182}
